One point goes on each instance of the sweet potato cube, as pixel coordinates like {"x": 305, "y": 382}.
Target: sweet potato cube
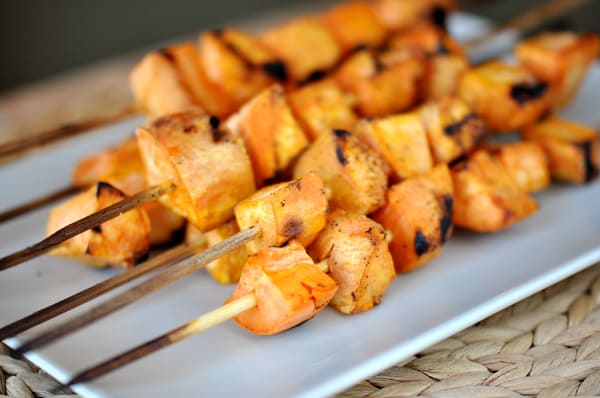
{"x": 359, "y": 259}
{"x": 121, "y": 242}
{"x": 236, "y": 62}
{"x": 314, "y": 49}
{"x": 506, "y": 97}
{"x": 157, "y": 86}
{"x": 418, "y": 213}
{"x": 320, "y": 107}
{"x": 401, "y": 140}
{"x": 284, "y": 211}
{"x": 289, "y": 289}
{"x": 486, "y": 197}
{"x": 398, "y": 15}
{"x": 526, "y": 162}
{"x": 560, "y": 59}
{"x": 208, "y": 165}
{"x": 353, "y": 173}
{"x": 453, "y": 130}
{"x": 382, "y": 84}
{"x": 355, "y": 24}
{"x": 573, "y": 149}
{"x": 272, "y": 136}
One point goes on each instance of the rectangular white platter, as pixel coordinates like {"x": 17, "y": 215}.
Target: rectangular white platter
{"x": 475, "y": 276}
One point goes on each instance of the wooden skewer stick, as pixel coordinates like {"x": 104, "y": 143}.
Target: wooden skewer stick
{"x": 162, "y": 279}
{"x": 84, "y": 224}
{"x": 36, "y": 203}
{"x": 529, "y": 19}
{"x": 82, "y": 297}
{"x": 199, "y": 324}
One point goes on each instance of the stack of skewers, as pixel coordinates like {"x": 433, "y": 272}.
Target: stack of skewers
{"x": 312, "y": 163}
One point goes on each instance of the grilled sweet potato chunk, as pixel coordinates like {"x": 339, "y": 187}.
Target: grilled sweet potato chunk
{"x": 401, "y": 140}
{"x": 237, "y": 63}
{"x": 526, "y": 162}
{"x": 121, "y": 241}
{"x": 208, "y": 165}
{"x": 572, "y": 148}
{"x": 288, "y": 286}
{"x": 314, "y": 49}
{"x": 418, "y": 212}
{"x": 400, "y": 15}
{"x": 355, "y": 24}
{"x": 486, "y": 197}
{"x": 157, "y": 86}
{"x": 506, "y": 97}
{"x": 272, "y": 136}
{"x": 382, "y": 84}
{"x": 560, "y": 59}
{"x": 284, "y": 211}
{"x": 322, "y": 106}
{"x": 359, "y": 260}
{"x": 453, "y": 130}
{"x": 354, "y": 173}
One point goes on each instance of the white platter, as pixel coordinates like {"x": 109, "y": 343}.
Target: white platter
{"x": 475, "y": 276}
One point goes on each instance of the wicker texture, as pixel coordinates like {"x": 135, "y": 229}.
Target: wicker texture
{"x": 547, "y": 345}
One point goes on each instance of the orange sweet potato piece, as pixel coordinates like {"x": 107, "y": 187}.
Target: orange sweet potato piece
{"x": 120, "y": 242}
{"x": 573, "y": 149}
{"x": 418, "y": 213}
{"x": 359, "y": 260}
{"x": 208, "y": 165}
{"x": 272, "y": 136}
{"x": 506, "y": 97}
{"x": 403, "y": 14}
{"x": 321, "y": 106}
{"x": 560, "y": 59}
{"x": 486, "y": 197}
{"x": 284, "y": 211}
{"x": 288, "y": 286}
{"x": 354, "y": 174}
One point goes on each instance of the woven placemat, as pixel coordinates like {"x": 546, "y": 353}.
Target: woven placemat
{"x": 547, "y": 345}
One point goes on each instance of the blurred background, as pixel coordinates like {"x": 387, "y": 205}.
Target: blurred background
{"x": 65, "y": 59}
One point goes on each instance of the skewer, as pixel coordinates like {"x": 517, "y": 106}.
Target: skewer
{"x": 36, "y": 203}
{"x": 529, "y": 19}
{"x": 162, "y": 279}
{"x": 195, "y": 326}
{"x": 63, "y": 234}
{"x": 82, "y": 297}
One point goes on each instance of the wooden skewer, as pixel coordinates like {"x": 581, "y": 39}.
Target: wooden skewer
{"x": 82, "y": 297}
{"x": 39, "y": 202}
{"x": 84, "y": 224}
{"x": 199, "y": 324}
{"x": 529, "y": 19}
{"x": 162, "y": 279}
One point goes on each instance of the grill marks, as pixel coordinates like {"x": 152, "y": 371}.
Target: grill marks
{"x": 523, "y": 93}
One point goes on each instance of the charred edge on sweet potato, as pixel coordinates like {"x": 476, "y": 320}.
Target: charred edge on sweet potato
{"x": 590, "y": 169}
{"x": 446, "y": 221}
{"x": 166, "y": 54}
{"x": 421, "y": 243}
{"x": 276, "y": 69}
{"x": 293, "y": 226}
{"x": 455, "y": 128}
{"x": 523, "y": 93}
{"x": 439, "y": 16}
{"x": 314, "y": 76}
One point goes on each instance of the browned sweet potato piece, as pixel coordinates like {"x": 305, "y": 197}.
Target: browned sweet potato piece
{"x": 322, "y": 106}
{"x": 404, "y": 14}
{"x": 121, "y": 241}
{"x": 208, "y": 165}
{"x": 157, "y": 86}
{"x": 486, "y": 197}
{"x": 382, "y": 84}
{"x": 314, "y": 49}
{"x": 293, "y": 210}
{"x": 506, "y": 97}
{"x": 236, "y": 62}
{"x": 573, "y": 149}
{"x": 401, "y": 140}
{"x": 355, "y": 24}
{"x": 418, "y": 213}
{"x": 452, "y": 128}
{"x": 560, "y": 59}
{"x": 288, "y": 286}
{"x": 359, "y": 260}
{"x": 354, "y": 173}
{"x": 272, "y": 136}
{"x": 526, "y": 162}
